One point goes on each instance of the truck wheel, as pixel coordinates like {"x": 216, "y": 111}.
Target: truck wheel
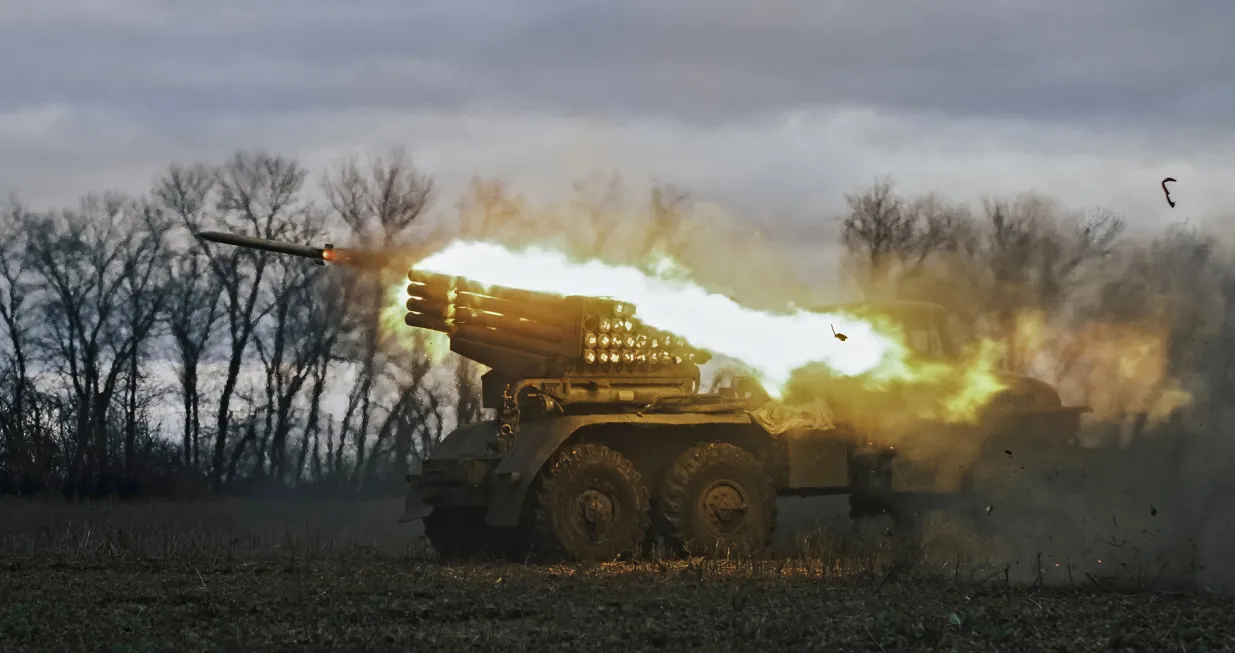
{"x": 716, "y": 498}
{"x": 591, "y": 504}
{"x": 461, "y": 533}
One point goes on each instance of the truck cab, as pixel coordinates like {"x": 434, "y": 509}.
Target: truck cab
{"x": 1025, "y": 417}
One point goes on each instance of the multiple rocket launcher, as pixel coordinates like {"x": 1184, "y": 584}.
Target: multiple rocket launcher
{"x": 597, "y": 336}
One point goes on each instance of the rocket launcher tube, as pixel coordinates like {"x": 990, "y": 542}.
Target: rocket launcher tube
{"x": 601, "y": 333}
{"x": 436, "y": 306}
{"x": 439, "y": 283}
{"x": 486, "y": 336}
{"x": 438, "y": 299}
{"x": 508, "y": 294}
{"x": 551, "y": 311}
{"x": 504, "y": 323}
{"x": 430, "y": 282}
{"x": 530, "y": 304}
{"x": 430, "y": 322}
{"x": 562, "y": 312}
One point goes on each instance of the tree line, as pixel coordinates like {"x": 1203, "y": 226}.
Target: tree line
{"x": 113, "y": 314}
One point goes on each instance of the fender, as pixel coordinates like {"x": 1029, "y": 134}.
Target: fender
{"x": 466, "y": 442}
{"x": 471, "y": 441}
{"x": 537, "y": 441}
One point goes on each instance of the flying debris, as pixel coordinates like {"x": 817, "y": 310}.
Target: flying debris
{"x": 1167, "y": 191}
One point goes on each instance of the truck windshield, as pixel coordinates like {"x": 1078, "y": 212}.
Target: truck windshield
{"x": 959, "y": 333}
{"x": 924, "y": 341}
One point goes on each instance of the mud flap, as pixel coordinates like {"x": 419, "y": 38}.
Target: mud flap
{"x": 414, "y": 507}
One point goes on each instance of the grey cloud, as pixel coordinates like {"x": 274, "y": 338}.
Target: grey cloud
{"x": 1104, "y": 61}
{"x": 962, "y": 97}
{"x": 1050, "y": 60}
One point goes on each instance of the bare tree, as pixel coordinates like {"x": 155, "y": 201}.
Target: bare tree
{"x": 17, "y": 289}
{"x": 596, "y": 203}
{"x": 1182, "y": 280}
{"x": 381, "y": 207}
{"x": 1037, "y": 260}
{"x": 890, "y": 239}
{"x": 192, "y": 319}
{"x": 292, "y": 338}
{"x": 327, "y": 322}
{"x": 406, "y": 375}
{"x": 258, "y": 194}
{"x": 489, "y": 209}
{"x": 96, "y": 261}
{"x": 195, "y": 295}
{"x": 145, "y": 298}
{"x": 426, "y": 425}
{"x": 467, "y": 392}
{"x": 310, "y": 451}
{"x": 666, "y": 221}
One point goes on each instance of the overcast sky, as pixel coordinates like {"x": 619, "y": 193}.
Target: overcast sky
{"x": 777, "y": 106}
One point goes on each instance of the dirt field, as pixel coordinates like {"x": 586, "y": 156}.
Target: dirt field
{"x": 256, "y": 576}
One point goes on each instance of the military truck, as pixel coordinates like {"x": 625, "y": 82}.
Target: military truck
{"x": 603, "y": 439}
{"x": 592, "y": 453}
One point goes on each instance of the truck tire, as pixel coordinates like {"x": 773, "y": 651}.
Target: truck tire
{"x": 717, "y": 498}
{"x": 461, "y": 534}
{"x": 590, "y": 504}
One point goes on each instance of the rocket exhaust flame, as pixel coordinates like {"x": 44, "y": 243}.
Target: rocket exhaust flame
{"x": 773, "y": 345}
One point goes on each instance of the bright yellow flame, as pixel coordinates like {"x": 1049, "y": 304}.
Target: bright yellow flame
{"x": 771, "y": 345}
{"x": 435, "y": 344}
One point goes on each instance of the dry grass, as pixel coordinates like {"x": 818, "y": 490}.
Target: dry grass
{"x": 241, "y": 575}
